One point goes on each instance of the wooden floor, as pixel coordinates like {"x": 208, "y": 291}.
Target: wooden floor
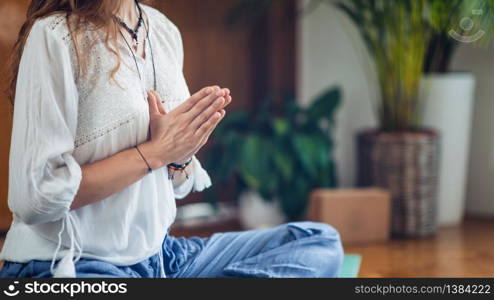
{"x": 464, "y": 251}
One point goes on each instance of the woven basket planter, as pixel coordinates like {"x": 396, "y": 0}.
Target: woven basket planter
{"x": 406, "y": 164}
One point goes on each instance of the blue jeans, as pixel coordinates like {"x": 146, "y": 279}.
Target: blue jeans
{"x": 298, "y": 250}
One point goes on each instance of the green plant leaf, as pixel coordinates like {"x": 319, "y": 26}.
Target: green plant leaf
{"x": 280, "y": 127}
{"x": 306, "y": 150}
{"x": 284, "y": 163}
{"x": 254, "y": 161}
{"x": 324, "y": 106}
{"x": 326, "y": 177}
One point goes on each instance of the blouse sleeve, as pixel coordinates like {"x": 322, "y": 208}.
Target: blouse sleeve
{"x": 44, "y": 176}
{"x": 199, "y": 180}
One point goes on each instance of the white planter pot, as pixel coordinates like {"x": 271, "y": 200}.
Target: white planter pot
{"x": 448, "y": 107}
{"x": 257, "y": 213}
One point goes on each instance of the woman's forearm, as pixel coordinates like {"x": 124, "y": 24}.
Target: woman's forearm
{"x": 111, "y": 175}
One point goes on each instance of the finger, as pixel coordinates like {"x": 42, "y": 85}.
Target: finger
{"x": 210, "y": 130}
{"x": 227, "y": 96}
{"x": 159, "y": 103}
{"x": 206, "y": 114}
{"x": 153, "y": 108}
{"x": 209, "y": 125}
{"x": 226, "y": 92}
{"x": 228, "y": 100}
{"x": 204, "y": 104}
{"x": 192, "y": 101}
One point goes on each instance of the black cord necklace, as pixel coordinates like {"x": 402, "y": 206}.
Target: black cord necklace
{"x": 155, "y": 86}
{"x": 133, "y": 32}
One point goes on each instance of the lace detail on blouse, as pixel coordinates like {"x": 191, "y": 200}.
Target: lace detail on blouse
{"x": 106, "y": 104}
{"x": 100, "y": 112}
{"x": 83, "y": 139}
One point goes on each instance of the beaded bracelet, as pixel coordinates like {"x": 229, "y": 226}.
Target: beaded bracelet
{"x": 177, "y": 167}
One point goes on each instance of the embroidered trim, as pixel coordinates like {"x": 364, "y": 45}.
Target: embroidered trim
{"x": 87, "y": 138}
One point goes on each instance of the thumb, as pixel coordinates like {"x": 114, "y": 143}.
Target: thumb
{"x": 153, "y": 107}
{"x": 159, "y": 104}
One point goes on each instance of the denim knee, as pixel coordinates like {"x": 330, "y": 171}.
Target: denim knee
{"x": 293, "y": 250}
{"x": 327, "y": 246}
{"x": 315, "y": 229}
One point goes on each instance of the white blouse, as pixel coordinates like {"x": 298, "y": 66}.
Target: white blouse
{"x": 62, "y": 121}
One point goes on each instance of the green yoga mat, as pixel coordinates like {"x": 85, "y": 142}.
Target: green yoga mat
{"x": 351, "y": 266}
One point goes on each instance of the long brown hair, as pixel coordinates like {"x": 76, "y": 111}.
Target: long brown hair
{"x": 79, "y": 13}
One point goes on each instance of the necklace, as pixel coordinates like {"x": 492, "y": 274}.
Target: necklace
{"x": 134, "y": 33}
{"x": 150, "y": 50}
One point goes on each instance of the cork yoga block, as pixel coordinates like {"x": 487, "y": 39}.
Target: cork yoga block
{"x": 361, "y": 216}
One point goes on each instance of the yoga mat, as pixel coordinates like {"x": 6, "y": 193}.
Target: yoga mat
{"x": 351, "y": 266}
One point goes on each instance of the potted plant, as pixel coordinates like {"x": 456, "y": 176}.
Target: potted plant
{"x": 448, "y": 96}
{"x": 401, "y": 156}
{"x": 278, "y": 154}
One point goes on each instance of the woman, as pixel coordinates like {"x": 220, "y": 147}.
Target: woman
{"x": 104, "y": 140}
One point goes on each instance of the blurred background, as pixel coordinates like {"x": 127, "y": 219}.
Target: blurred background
{"x": 374, "y": 116}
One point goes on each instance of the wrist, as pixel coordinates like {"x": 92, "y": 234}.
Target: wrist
{"x": 181, "y": 168}
{"x": 152, "y": 156}
{"x": 183, "y": 162}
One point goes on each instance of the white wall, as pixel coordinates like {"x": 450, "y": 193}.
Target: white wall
{"x": 331, "y": 53}
{"x": 480, "y": 187}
